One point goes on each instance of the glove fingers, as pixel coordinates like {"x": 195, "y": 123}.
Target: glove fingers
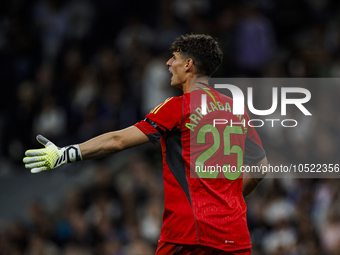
{"x": 27, "y": 160}
{"x": 42, "y": 140}
{"x": 35, "y": 165}
{"x": 39, "y": 169}
{"x": 32, "y": 153}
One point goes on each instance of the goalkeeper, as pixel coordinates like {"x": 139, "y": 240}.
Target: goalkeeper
{"x": 201, "y": 216}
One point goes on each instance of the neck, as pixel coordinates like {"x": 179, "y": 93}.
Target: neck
{"x": 194, "y": 83}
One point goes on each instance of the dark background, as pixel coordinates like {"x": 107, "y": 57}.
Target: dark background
{"x": 71, "y": 70}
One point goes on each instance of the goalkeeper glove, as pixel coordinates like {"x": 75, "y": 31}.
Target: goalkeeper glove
{"x": 51, "y": 157}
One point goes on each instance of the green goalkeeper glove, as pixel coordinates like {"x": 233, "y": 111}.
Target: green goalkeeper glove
{"x": 51, "y": 157}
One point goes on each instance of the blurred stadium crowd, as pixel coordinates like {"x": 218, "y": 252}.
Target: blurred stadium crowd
{"x": 74, "y": 69}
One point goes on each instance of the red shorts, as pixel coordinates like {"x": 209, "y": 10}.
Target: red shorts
{"x": 185, "y": 249}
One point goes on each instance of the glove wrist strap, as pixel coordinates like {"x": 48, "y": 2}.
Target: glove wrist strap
{"x": 73, "y": 153}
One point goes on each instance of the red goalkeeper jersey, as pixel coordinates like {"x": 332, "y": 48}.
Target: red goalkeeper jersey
{"x": 203, "y": 202}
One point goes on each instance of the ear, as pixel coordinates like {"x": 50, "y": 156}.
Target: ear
{"x": 189, "y": 63}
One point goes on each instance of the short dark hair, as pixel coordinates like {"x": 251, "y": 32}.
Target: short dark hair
{"x": 203, "y": 49}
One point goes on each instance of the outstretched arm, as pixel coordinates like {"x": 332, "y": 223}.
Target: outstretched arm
{"x": 101, "y": 146}
{"x": 112, "y": 142}
{"x": 251, "y": 180}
